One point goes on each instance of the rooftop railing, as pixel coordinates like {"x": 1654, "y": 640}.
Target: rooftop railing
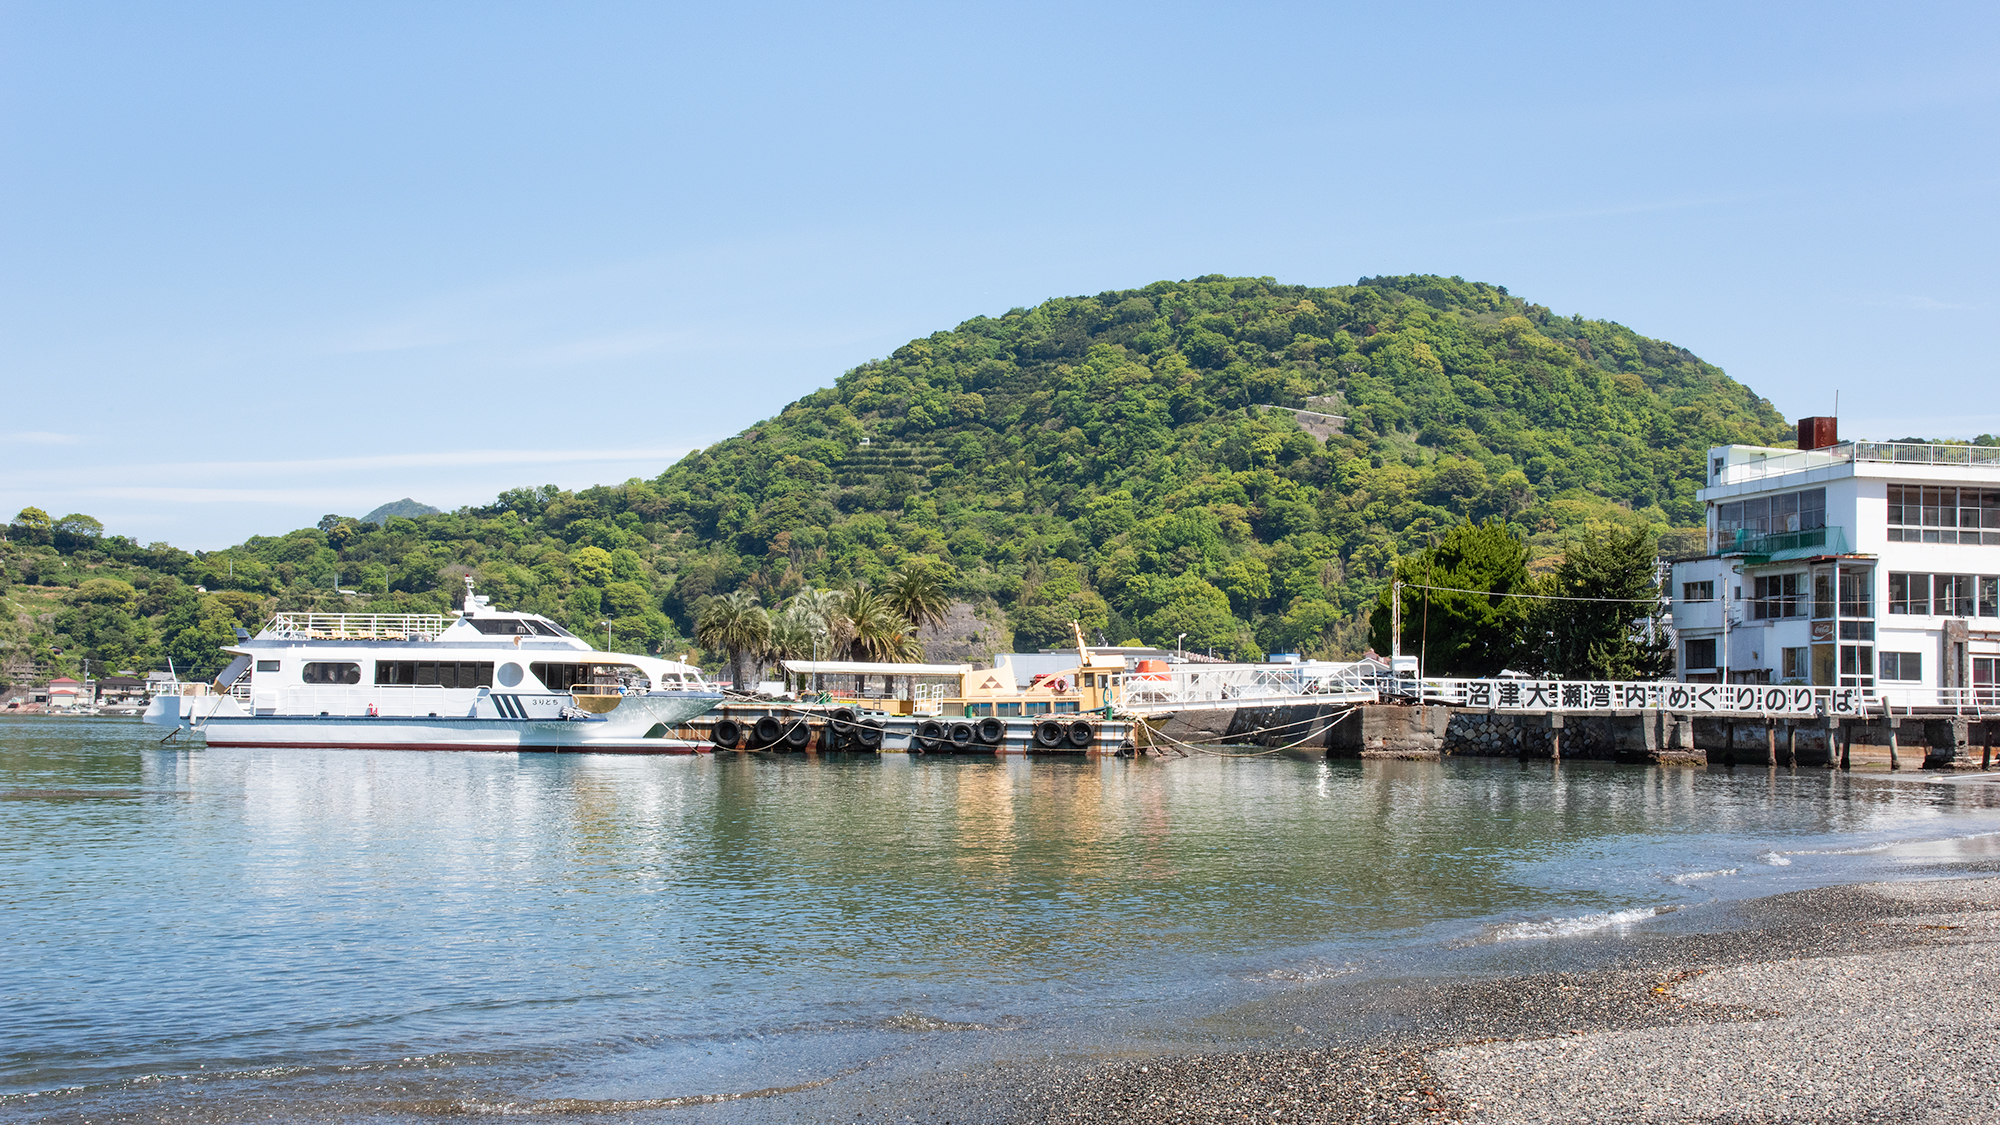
{"x": 356, "y": 627}
{"x": 1983, "y": 457}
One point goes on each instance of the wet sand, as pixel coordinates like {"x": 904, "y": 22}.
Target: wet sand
{"x": 1846, "y": 1004}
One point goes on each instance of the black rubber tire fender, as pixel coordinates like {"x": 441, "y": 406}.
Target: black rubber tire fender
{"x": 766, "y": 731}
{"x": 1080, "y": 734}
{"x": 868, "y": 735}
{"x": 1049, "y": 734}
{"x": 930, "y": 733}
{"x": 990, "y": 731}
{"x": 726, "y": 733}
{"x": 961, "y": 736}
{"x": 798, "y": 735}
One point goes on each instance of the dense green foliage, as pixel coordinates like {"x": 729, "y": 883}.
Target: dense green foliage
{"x": 1106, "y": 459}
{"x": 1607, "y": 627}
{"x": 1455, "y": 631}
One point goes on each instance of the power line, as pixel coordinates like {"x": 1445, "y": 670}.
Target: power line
{"x": 1537, "y": 597}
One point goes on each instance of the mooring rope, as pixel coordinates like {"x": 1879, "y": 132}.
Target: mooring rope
{"x": 1321, "y": 732}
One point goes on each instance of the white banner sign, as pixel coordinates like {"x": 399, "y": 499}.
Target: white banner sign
{"x": 1594, "y": 695}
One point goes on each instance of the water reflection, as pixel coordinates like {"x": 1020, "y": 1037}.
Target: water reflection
{"x": 176, "y": 909}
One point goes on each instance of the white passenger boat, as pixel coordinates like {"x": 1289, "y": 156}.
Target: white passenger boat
{"x": 483, "y": 679}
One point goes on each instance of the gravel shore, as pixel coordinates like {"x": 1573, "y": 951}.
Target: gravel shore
{"x": 1846, "y": 1004}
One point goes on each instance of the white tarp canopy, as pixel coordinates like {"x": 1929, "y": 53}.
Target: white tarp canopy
{"x": 870, "y": 668}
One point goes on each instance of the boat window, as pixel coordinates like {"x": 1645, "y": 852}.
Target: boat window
{"x": 267, "y": 665}
{"x": 332, "y": 674}
{"x": 601, "y": 677}
{"x": 434, "y": 673}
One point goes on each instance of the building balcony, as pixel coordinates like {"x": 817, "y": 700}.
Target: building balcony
{"x": 1780, "y": 546}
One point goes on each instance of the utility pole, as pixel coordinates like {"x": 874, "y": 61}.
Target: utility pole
{"x": 1396, "y": 618}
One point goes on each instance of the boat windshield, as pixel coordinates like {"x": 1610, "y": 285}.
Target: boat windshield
{"x": 516, "y": 627}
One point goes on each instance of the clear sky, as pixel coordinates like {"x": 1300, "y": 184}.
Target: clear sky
{"x": 261, "y": 262}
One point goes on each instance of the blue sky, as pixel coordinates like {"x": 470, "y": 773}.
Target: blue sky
{"x": 261, "y": 262}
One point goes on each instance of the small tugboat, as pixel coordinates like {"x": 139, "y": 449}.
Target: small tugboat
{"x": 483, "y": 679}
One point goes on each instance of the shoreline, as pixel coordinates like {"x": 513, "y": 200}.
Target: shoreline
{"x": 1857, "y": 1002}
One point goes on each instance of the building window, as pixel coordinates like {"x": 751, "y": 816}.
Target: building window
{"x": 1902, "y": 665}
{"x": 1856, "y": 592}
{"x": 331, "y": 674}
{"x": 1943, "y": 514}
{"x": 1778, "y": 595}
{"x": 1698, "y": 591}
{"x": 1700, "y": 654}
{"x": 1771, "y": 515}
{"x": 1794, "y": 665}
{"x": 1952, "y": 595}
{"x": 1944, "y": 595}
{"x": 1857, "y": 665}
{"x": 1910, "y": 594}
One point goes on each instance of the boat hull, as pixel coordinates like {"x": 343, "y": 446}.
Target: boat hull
{"x": 637, "y": 725}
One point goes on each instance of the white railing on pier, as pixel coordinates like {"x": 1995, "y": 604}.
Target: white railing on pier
{"x": 1982, "y": 700}
{"x": 289, "y": 626}
{"x": 1187, "y": 685}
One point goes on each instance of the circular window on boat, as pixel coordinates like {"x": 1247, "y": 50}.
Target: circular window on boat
{"x": 509, "y": 675}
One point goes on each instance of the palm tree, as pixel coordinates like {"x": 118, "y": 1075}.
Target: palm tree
{"x": 735, "y": 623}
{"x": 794, "y": 629}
{"x": 876, "y": 631}
{"x": 917, "y": 591}
{"x": 823, "y": 614}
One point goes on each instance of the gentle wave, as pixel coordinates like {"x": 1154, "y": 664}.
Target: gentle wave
{"x": 1546, "y": 928}
{"x": 1685, "y": 878}
{"x": 1772, "y": 858}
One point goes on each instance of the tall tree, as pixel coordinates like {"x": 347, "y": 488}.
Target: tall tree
{"x": 735, "y": 623}
{"x": 1457, "y": 612}
{"x": 918, "y": 592}
{"x": 1611, "y": 630}
{"x": 878, "y": 632}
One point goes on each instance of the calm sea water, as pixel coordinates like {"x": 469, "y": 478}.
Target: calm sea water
{"x": 355, "y": 934}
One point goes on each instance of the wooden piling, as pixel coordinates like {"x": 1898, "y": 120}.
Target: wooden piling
{"x": 1846, "y": 746}
{"x": 1895, "y": 763}
{"x": 1729, "y": 742}
{"x": 1986, "y": 759}
{"x": 1770, "y": 744}
{"x": 1791, "y": 745}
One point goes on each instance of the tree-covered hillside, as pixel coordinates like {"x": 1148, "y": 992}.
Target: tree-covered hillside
{"x": 1111, "y": 459}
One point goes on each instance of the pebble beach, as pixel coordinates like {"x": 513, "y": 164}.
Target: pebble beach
{"x": 1866, "y": 1003}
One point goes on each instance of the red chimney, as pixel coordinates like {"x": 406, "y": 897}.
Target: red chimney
{"x": 1818, "y": 433}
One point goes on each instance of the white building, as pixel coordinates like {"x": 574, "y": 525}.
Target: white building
{"x": 1852, "y": 564}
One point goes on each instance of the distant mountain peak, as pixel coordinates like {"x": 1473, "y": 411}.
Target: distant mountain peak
{"x": 406, "y": 508}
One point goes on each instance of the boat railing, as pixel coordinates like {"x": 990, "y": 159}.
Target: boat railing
{"x": 293, "y": 626}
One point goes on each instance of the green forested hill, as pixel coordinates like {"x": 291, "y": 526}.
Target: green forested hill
{"x": 1111, "y": 459}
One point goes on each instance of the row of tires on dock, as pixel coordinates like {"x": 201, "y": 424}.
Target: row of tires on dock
{"x": 845, "y": 729}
